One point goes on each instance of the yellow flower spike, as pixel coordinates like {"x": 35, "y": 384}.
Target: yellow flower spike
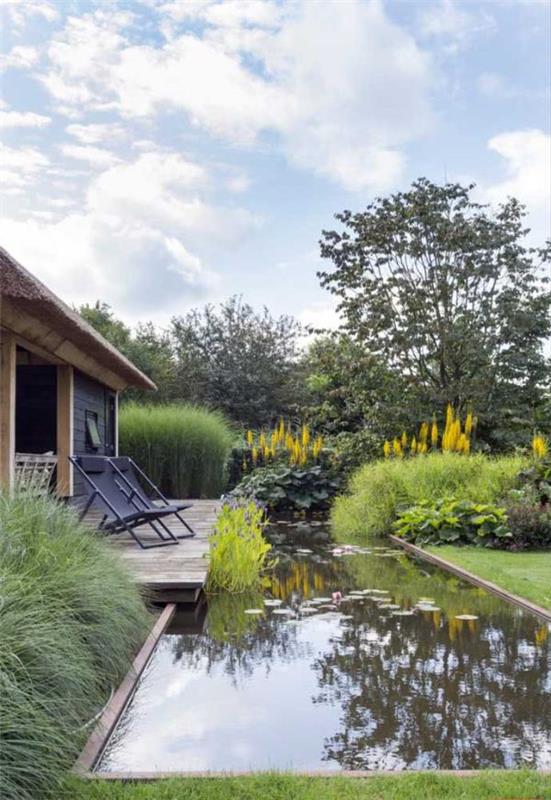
{"x": 397, "y": 448}
{"x": 274, "y": 439}
{"x": 262, "y": 440}
{"x": 387, "y": 449}
{"x": 424, "y": 432}
{"x": 281, "y": 431}
{"x": 250, "y": 438}
{"x": 255, "y": 454}
{"x": 469, "y": 423}
{"x": 413, "y": 445}
{"x": 450, "y": 416}
{"x": 434, "y": 433}
{"x": 540, "y": 447}
{"x": 404, "y": 440}
{"x": 305, "y": 435}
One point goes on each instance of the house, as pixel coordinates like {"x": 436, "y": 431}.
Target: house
{"x": 59, "y": 380}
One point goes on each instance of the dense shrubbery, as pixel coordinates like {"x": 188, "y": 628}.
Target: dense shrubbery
{"x": 183, "y": 449}
{"x": 450, "y": 521}
{"x": 284, "y": 489}
{"x": 70, "y": 621}
{"x": 380, "y": 489}
{"x": 239, "y": 552}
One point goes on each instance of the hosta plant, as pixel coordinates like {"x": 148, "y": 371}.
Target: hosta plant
{"x": 290, "y": 489}
{"x": 452, "y": 521}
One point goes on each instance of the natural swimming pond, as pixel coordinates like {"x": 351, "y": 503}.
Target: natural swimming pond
{"x": 412, "y": 669}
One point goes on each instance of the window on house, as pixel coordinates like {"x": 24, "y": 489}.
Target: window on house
{"x": 93, "y": 440}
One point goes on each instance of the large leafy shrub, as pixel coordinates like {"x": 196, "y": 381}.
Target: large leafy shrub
{"x": 238, "y": 550}
{"x": 70, "y": 620}
{"x": 451, "y": 521}
{"x": 379, "y": 489}
{"x": 290, "y": 489}
{"x": 182, "y": 448}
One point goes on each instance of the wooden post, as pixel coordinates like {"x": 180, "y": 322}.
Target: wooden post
{"x": 64, "y": 430}
{"x": 7, "y": 409}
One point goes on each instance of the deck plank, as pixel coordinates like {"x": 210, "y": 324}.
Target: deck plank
{"x": 181, "y": 567}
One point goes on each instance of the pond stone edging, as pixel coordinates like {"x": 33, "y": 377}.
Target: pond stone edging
{"x": 526, "y": 605}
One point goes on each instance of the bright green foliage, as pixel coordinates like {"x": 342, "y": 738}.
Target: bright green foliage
{"x": 525, "y": 574}
{"x": 70, "y": 620}
{"x": 378, "y": 490}
{"x": 238, "y": 550}
{"x": 451, "y": 521}
{"x": 288, "y": 489}
{"x": 182, "y": 449}
{"x": 501, "y": 785}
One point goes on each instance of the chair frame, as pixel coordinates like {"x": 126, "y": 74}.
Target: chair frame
{"x": 121, "y": 524}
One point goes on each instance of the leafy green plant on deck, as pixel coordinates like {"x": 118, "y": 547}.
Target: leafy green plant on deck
{"x": 239, "y": 553}
{"x": 290, "y": 489}
{"x": 452, "y": 521}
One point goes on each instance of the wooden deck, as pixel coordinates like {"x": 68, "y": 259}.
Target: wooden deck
{"x": 176, "y": 573}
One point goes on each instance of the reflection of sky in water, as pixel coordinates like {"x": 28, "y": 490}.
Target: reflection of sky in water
{"x": 349, "y": 688}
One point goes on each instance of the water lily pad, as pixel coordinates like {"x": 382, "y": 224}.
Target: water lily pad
{"x": 254, "y": 611}
{"x": 403, "y": 613}
{"x": 308, "y": 610}
{"x": 466, "y": 616}
{"x": 304, "y": 551}
{"x": 389, "y": 606}
{"x": 426, "y": 600}
{"x": 272, "y": 602}
{"x": 284, "y": 612}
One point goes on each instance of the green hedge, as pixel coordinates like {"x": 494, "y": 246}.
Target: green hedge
{"x": 380, "y": 488}
{"x": 182, "y": 448}
{"x": 70, "y": 621}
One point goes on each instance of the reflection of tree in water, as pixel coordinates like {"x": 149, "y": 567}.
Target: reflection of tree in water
{"x": 416, "y": 692}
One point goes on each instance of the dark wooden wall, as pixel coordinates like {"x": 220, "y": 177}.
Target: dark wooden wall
{"x": 90, "y": 395}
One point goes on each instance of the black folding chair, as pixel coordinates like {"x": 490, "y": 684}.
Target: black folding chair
{"x": 129, "y": 471}
{"x": 125, "y": 506}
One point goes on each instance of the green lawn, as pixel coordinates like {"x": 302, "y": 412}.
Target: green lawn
{"x": 495, "y": 785}
{"x": 525, "y": 574}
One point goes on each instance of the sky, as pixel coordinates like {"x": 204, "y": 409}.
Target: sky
{"x": 162, "y": 154}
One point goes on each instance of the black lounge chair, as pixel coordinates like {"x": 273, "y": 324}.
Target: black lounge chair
{"x": 114, "y": 486}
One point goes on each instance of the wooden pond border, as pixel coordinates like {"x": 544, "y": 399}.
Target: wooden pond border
{"x": 109, "y": 718}
{"x": 526, "y": 605}
{"x": 111, "y": 714}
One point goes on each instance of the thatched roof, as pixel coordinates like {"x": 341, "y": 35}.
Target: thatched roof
{"x": 31, "y": 296}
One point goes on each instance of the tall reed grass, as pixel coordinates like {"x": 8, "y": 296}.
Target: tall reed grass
{"x": 70, "y": 621}
{"x": 378, "y": 489}
{"x": 183, "y": 449}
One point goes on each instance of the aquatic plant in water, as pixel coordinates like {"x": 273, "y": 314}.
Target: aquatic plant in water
{"x": 239, "y": 553}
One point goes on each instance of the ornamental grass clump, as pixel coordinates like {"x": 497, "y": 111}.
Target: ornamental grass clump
{"x": 182, "y": 448}
{"x": 71, "y": 619}
{"x": 239, "y": 553}
{"x": 379, "y": 489}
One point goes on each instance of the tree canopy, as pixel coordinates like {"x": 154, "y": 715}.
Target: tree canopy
{"x": 445, "y": 291}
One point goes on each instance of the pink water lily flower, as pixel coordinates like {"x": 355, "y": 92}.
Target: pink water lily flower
{"x": 336, "y": 597}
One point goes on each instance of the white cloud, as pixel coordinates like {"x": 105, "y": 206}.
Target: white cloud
{"x": 453, "y": 23}
{"x": 19, "y": 57}
{"x": 93, "y": 155}
{"x": 320, "y": 316}
{"x": 95, "y": 133}
{"x": 19, "y": 166}
{"x": 23, "y": 119}
{"x": 238, "y": 183}
{"x": 526, "y": 156}
{"x": 20, "y": 11}
{"x": 139, "y": 240}
{"x": 343, "y": 92}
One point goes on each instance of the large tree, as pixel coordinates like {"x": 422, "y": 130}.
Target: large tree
{"x": 447, "y": 293}
{"x": 239, "y": 360}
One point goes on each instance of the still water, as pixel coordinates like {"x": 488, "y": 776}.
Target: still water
{"x": 388, "y": 677}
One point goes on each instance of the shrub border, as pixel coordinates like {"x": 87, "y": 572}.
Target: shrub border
{"x": 526, "y": 605}
{"x": 110, "y": 716}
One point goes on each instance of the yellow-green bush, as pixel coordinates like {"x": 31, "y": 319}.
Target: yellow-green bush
{"x": 378, "y": 489}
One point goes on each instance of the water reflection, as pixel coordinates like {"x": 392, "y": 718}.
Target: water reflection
{"x": 346, "y": 684}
